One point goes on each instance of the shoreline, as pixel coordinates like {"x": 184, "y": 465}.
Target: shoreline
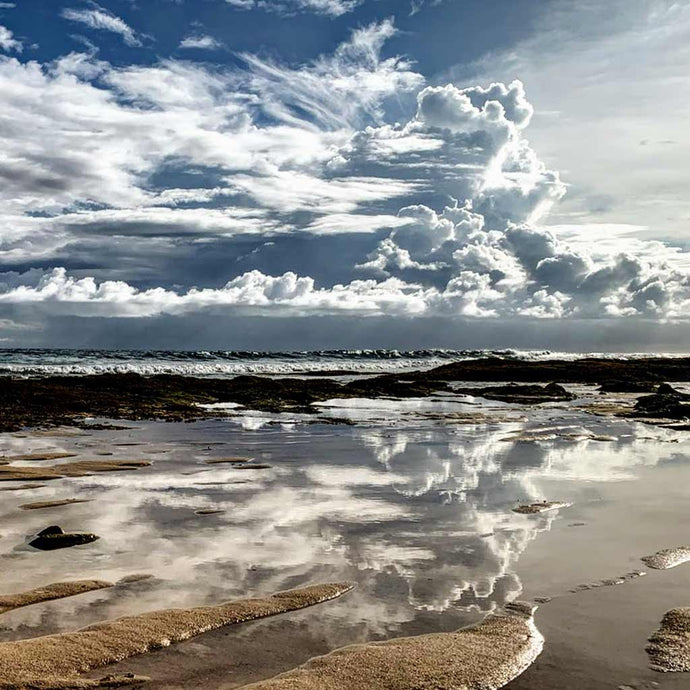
{"x": 413, "y": 510}
{"x": 69, "y": 400}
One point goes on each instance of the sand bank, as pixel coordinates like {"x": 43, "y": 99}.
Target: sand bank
{"x": 668, "y": 558}
{"x": 669, "y": 646}
{"x": 57, "y": 590}
{"x": 487, "y": 655}
{"x": 79, "y": 468}
{"x": 541, "y": 507}
{"x": 55, "y": 661}
{"x": 39, "y": 505}
{"x": 229, "y": 461}
{"x": 35, "y": 457}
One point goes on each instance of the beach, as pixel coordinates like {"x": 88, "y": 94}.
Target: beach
{"x": 434, "y": 508}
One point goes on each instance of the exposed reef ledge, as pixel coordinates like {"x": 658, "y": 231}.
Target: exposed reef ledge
{"x": 50, "y": 401}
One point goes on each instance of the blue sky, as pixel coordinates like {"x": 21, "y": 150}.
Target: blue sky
{"x": 214, "y": 173}
{"x": 436, "y": 34}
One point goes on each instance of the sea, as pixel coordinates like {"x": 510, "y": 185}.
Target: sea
{"x": 230, "y": 363}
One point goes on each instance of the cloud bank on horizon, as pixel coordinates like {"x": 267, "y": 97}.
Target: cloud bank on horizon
{"x": 346, "y": 184}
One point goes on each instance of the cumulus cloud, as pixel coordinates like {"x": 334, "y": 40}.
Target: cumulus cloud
{"x": 252, "y": 291}
{"x": 591, "y": 47}
{"x": 102, "y": 19}
{"x": 8, "y": 42}
{"x": 452, "y": 199}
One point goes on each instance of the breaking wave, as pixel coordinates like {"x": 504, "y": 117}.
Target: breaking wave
{"x": 221, "y": 363}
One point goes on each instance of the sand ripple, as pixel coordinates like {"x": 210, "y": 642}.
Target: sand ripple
{"x": 40, "y": 505}
{"x": 58, "y": 590}
{"x": 55, "y": 661}
{"x": 668, "y": 558}
{"x": 482, "y": 657}
{"x": 79, "y": 468}
{"x": 669, "y": 647}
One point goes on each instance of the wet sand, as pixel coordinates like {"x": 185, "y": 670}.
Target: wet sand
{"x": 486, "y": 655}
{"x": 417, "y": 509}
{"x": 597, "y": 638}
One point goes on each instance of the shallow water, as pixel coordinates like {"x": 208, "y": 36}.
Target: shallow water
{"x": 413, "y": 503}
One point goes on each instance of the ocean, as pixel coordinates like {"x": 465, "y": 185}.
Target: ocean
{"x": 229, "y": 363}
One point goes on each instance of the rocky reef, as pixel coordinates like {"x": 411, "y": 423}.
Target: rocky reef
{"x": 522, "y": 395}
{"x": 666, "y": 402}
{"x": 60, "y": 400}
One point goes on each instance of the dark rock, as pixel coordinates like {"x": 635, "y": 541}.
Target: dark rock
{"x": 587, "y": 370}
{"x": 667, "y": 403}
{"x": 667, "y": 389}
{"x": 627, "y": 386}
{"x": 524, "y": 395}
{"x": 251, "y": 466}
{"x": 54, "y": 537}
{"x": 391, "y": 385}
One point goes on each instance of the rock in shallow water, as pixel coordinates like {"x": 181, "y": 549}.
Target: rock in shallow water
{"x": 54, "y": 537}
{"x": 522, "y": 395}
{"x": 668, "y": 558}
{"x": 627, "y": 386}
{"x": 667, "y": 402}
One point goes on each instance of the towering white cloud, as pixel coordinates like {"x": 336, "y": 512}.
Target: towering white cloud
{"x": 451, "y": 202}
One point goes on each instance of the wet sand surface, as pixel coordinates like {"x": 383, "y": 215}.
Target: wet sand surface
{"x": 597, "y": 638}
{"x": 415, "y": 508}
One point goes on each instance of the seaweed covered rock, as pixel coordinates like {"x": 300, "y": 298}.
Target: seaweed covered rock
{"x": 54, "y": 537}
{"x": 666, "y": 403}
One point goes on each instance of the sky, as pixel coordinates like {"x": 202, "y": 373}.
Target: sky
{"x": 303, "y": 174}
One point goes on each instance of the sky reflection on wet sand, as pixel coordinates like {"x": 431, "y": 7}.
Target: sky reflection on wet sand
{"x": 418, "y": 514}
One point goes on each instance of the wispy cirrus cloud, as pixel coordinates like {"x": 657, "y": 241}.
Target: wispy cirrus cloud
{"x": 332, "y": 8}
{"x": 102, "y": 19}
